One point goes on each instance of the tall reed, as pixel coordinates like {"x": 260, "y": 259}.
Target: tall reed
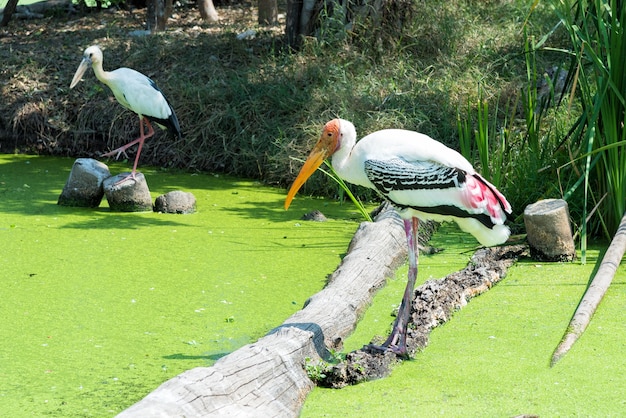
{"x": 598, "y": 51}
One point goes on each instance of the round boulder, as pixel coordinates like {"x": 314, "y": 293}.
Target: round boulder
{"x": 126, "y": 194}
{"x": 84, "y": 185}
{"x": 176, "y": 201}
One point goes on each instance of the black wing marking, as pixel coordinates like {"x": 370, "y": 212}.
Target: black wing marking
{"x": 171, "y": 123}
{"x": 398, "y": 174}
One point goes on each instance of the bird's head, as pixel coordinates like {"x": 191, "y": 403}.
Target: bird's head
{"x": 91, "y": 56}
{"x": 327, "y": 145}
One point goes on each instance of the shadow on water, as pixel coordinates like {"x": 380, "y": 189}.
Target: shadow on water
{"x": 181, "y": 356}
{"x": 318, "y": 341}
{"x": 114, "y": 220}
{"x": 31, "y": 185}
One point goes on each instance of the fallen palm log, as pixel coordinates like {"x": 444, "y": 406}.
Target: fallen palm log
{"x": 594, "y": 294}
{"x": 268, "y": 378}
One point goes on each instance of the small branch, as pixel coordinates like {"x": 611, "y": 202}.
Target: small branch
{"x": 595, "y": 292}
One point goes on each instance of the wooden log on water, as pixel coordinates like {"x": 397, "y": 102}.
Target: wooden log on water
{"x": 548, "y": 230}
{"x": 268, "y": 378}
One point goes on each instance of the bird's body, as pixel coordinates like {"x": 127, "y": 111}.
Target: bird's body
{"x": 422, "y": 178}
{"x": 146, "y": 98}
{"x": 136, "y": 92}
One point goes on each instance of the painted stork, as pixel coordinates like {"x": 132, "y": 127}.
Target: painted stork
{"x": 423, "y": 179}
{"x": 135, "y": 92}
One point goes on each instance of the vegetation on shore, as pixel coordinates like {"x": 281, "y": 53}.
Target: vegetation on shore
{"x": 477, "y": 76}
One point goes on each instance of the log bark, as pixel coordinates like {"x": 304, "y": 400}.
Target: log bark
{"x": 595, "y": 292}
{"x": 268, "y": 378}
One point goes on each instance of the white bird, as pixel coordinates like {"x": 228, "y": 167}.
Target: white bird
{"x": 135, "y": 92}
{"x": 423, "y": 179}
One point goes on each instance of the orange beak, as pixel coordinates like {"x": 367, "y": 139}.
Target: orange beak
{"x": 325, "y": 147}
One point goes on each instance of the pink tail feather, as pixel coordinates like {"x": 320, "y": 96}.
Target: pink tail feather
{"x": 483, "y": 197}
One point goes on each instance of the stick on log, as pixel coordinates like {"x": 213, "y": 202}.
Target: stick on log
{"x": 595, "y": 292}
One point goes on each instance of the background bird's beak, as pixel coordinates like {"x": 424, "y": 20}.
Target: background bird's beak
{"x": 85, "y": 63}
{"x": 315, "y": 159}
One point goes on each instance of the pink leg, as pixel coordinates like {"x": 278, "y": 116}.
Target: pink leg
{"x": 121, "y": 150}
{"x": 140, "y": 140}
{"x": 397, "y": 339}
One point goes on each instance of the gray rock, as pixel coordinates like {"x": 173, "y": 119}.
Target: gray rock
{"x": 84, "y": 185}
{"x": 176, "y": 201}
{"x": 315, "y": 216}
{"x": 128, "y": 195}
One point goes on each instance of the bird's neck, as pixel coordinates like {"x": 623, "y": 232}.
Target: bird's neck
{"x": 346, "y": 165}
{"x": 101, "y": 75}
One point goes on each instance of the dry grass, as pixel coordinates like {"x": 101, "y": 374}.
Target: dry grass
{"x": 246, "y": 107}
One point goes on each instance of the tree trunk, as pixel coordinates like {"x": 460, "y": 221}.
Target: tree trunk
{"x": 292, "y": 29}
{"x": 151, "y": 19}
{"x": 207, "y": 11}
{"x": 9, "y": 9}
{"x": 268, "y": 378}
{"x": 548, "y": 230}
{"x": 157, "y": 14}
{"x": 268, "y": 12}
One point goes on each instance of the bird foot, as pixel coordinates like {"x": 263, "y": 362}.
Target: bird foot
{"x": 131, "y": 176}
{"x": 116, "y": 153}
{"x": 399, "y": 351}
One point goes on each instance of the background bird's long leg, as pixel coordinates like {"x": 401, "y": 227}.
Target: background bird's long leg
{"x": 122, "y": 150}
{"x": 141, "y": 139}
{"x": 397, "y": 339}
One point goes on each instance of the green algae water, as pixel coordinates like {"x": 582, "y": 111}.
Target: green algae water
{"x": 98, "y": 308}
{"x": 492, "y": 359}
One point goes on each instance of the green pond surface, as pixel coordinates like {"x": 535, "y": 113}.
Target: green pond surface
{"x": 492, "y": 359}
{"x": 98, "y": 308}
